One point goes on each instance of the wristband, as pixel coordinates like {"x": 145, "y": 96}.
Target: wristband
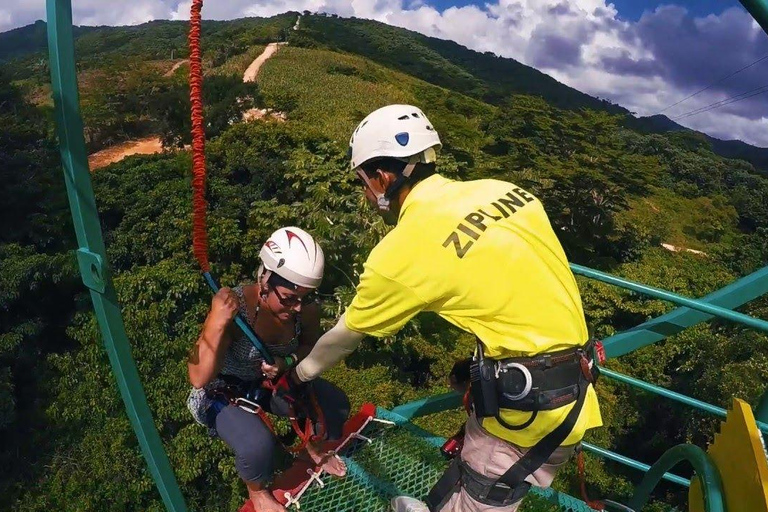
{"x": 290, "y": 359}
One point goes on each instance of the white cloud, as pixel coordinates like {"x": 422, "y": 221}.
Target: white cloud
{"x": 644, "y": 65}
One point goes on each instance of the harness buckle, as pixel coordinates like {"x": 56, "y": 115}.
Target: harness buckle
{"x": 505, "y": 367}
{"x": 247, "y": 405}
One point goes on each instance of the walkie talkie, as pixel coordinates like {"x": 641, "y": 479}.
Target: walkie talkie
{"x": 482, "y": 375}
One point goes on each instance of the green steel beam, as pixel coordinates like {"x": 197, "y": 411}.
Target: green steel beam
{"x": 632, "y": 463}
{"x": 429, "y": 405}
{"x": 91, "y": 254}
{"x": 706, "y": 471}
{"x": 755, "y": 323}
{"x": 698, "y": 404}
{"x": 732, "y": 296}
{"x": 759, "y": 10}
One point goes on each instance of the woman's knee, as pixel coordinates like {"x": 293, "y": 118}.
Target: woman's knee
{"x": 250, "y": 439}
{"x": 254, "y": 459}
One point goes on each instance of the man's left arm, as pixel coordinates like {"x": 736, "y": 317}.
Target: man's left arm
{"x": 332, "y": 347}
{"x": 381, "y": 307}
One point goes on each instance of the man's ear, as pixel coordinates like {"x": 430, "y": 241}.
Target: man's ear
{"x": 384, "y": 179}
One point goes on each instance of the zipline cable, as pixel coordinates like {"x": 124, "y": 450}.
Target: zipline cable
{"x": 713, "y": 84}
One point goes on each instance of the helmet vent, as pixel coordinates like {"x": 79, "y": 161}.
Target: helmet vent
{"x": 416, "y": 115}
{"x": 403, "y": 118}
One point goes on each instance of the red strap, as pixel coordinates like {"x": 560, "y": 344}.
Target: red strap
{"x": 305, "y": 434}
{"x": 596, "y": 504}
{"x": 600, "y": 352}
{"x": 466, "y": 401}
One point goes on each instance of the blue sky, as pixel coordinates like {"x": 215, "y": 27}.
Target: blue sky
{"x": 642, "y": 55}
{"x": 633, "y": 9}
{"x": 628, "y": 9}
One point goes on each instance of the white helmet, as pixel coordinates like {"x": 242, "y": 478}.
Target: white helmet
{"x": 397, "y": 131}
{"x": 293, "y": 254}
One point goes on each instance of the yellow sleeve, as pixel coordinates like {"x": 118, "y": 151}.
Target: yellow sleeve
{"x": 382, "y": 305}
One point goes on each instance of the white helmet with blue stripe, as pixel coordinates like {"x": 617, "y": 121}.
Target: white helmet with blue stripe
{"x": 395, "y": 131}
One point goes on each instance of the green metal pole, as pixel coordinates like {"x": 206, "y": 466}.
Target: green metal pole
{"x": 734, "y": 316}
{"x": 759, "y": 10}
{"x": 761, "y": 413}
{"x": 429, "y": 405}
{"x": 698, "y": 404}
{"x": 91, "y": 255}
{"x": 706, "y": 471}
{"x": 732, "y": 296}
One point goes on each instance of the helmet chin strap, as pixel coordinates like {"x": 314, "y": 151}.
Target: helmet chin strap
{"x": 383, "y": 201}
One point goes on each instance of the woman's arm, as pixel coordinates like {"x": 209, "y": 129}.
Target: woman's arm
{"x": 205, "y": 357}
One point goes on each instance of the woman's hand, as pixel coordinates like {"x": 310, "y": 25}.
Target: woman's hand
{"x": 272, "y": 371}
{"x": 224, "y": 307}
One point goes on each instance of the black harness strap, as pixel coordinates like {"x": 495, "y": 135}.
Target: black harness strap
{"x": 444, "y": 488}
{"x": 511, "y": 487}
{"x": 534, "y": 458}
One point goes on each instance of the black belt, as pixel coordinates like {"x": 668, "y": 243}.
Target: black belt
{"x": 479, "y": 487}
{"x": 235, "y": 387}
{"x": 540, "y": 452}
{"x": 543, "y": 382}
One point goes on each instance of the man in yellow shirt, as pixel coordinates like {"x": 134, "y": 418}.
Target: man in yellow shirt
{"x": 481, "y": 254}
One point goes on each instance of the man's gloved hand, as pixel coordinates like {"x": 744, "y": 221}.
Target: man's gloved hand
{"x": 289, "y": 387}
{"x": 459, "y": 376}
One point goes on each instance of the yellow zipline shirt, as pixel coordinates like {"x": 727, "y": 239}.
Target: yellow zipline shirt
{"x": 481, "y": 254}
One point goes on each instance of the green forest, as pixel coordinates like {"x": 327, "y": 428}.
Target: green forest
{"x": 613, "y": 194}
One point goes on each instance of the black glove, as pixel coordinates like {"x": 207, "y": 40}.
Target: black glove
{"x": 459, "y": 375}
{"x": 289, "y": 387}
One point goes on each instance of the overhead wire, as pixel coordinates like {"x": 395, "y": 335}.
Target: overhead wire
{"x": 713, "y": 84}
{"x": 727, "y": 101}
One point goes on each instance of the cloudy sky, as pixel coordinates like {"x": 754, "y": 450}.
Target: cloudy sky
{"x": 645, "y": 55}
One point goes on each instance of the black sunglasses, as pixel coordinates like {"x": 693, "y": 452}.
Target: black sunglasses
{"x": 293, "y": 300}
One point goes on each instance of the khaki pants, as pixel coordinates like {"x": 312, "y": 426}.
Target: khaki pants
{"x": 491, "y": 456}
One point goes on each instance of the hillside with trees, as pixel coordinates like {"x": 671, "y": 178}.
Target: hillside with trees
{"x": 613, "y": 194}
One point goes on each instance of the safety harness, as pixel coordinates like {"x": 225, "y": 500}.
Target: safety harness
{"x": 250, "y": 395}
{"x": 543, "y": 382}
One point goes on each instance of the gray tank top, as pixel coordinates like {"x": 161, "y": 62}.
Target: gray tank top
{"x": 241, "y": 360}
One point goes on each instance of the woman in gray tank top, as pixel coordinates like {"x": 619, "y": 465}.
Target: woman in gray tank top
{"x": 281, "y": 310}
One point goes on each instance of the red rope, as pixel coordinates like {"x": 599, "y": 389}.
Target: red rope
{"x": 199, "y": 204}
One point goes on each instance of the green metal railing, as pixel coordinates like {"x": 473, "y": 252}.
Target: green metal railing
{"x": 698, "y": 404}
{"x": 732, "y": 296}
{"x": 96, "y": 276}
{"x": 698, "y": 305}
{"x": 91, "y": 254}
{"x": 632, "y": 463}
